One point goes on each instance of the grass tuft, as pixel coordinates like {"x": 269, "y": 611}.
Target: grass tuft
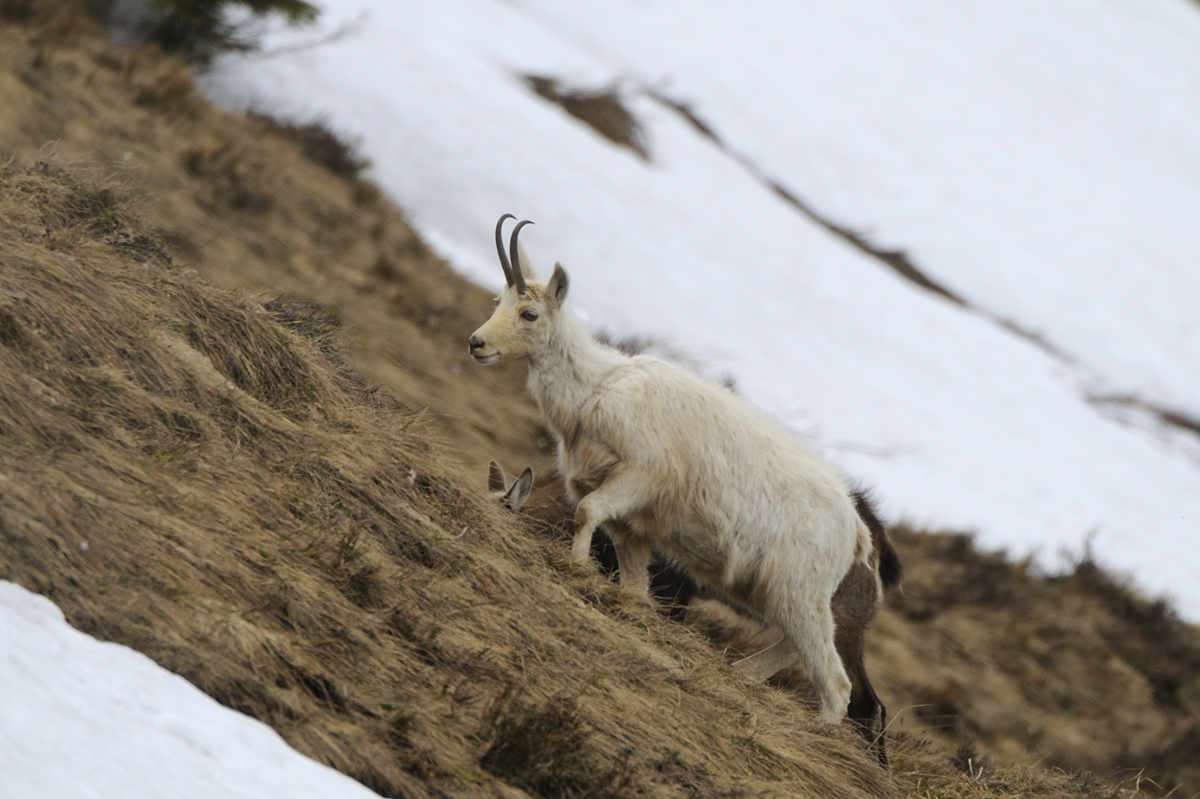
{"x": 546, "y": 749}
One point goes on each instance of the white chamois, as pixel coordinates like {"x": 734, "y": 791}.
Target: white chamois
{"x": 665, "y": 459}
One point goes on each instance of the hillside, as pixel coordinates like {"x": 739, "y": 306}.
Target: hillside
{"x": 240, "y": 203}
{"x": 321, "y": 554}
{"x": 198, "y": 476}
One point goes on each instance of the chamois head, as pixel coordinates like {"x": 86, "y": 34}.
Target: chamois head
{"x": 525, "y": 310}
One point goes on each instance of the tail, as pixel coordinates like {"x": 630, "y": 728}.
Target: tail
{"x": 890, "y": 568}
{"x": 864, "y": 547}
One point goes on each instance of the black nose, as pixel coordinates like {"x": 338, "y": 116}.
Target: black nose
{"x": 476, "y": 342}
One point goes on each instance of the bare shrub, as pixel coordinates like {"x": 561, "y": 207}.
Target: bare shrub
{"x": 202, "y": 29}
{"x": 319, "y": 143}
{"x": 601, "y": 109}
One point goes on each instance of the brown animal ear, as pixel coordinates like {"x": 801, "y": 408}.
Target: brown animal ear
{"x": 496, "y": 479}
{"x": 518, "y": 493}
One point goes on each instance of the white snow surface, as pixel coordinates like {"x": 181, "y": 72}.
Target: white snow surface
{"x": 1038, "y": 159}
{"x": 86, "y": 719}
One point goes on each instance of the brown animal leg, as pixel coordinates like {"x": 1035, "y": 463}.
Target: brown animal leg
{"x": 866, "y": 711}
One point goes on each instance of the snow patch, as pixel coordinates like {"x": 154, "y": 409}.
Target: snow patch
{"x": 89, "y": 719}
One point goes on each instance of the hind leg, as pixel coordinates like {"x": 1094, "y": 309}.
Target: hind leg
{"x": 633, "y": 559}
{"x": 810, "y": 633}
{"x": 880, "y": 742}
{"x": 765, "y": 663}
{"x": 866, "y": 711}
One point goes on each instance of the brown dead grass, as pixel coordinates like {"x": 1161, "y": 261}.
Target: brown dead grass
{"x": 237, "y": 200}
{"x": 319, "y": 143}
{"x": 307, "y": 550}
{"x": 198, "y": 475}
{"x": 1075, "y": 671}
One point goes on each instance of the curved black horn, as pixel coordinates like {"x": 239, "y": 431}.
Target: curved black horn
{"x": 518, "y": 275}
{"x": 504, "y": 264}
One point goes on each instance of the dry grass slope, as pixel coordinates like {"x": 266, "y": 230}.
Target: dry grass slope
{"x": 201, "y": 477}
{"x": 1075, "y": 670}
{"x": 262, "y": 204}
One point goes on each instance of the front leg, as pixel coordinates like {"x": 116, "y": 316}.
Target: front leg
{"x": 624, "y": 491}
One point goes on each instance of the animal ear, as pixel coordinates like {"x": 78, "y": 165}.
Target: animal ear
{"x": 556, "y": 289}
{"x": 519, "y": 491}
{"x": 496, "y": 479}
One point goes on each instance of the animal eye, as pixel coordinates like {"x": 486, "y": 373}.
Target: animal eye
{"x": 529, "y": 315}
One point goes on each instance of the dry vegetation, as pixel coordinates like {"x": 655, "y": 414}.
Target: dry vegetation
{"x": 200, "y": 476}
{"x": 237, "y": 200}
{"x": 192, "y": 467}
{"x": 1073, "y": 670}
{"x": 601, "y": 109}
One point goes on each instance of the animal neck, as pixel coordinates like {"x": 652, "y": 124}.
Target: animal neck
{"x": 565, "y": 371}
